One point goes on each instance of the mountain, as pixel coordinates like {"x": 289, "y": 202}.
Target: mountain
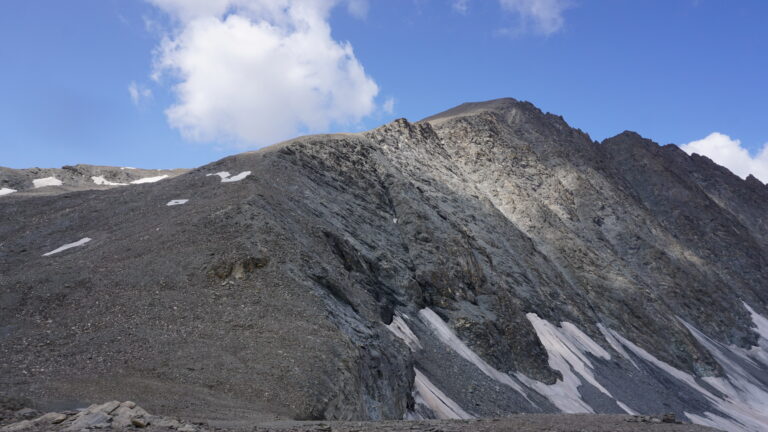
{"x": 484, "y": 261}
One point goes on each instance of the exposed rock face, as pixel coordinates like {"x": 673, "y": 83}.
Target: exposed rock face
{"x": 485, "y": 261}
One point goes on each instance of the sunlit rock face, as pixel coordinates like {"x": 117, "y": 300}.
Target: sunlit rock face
{"x": 484, "y": 261}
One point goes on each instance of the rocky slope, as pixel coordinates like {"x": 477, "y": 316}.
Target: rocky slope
{"x": 484, "y": 261}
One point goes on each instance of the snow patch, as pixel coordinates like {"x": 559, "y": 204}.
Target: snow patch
{"x": 400, "y": 329}
{"x": 567, "y": 348}
{"x": 608, "y": 335}
{"x": 225, "y": 176}
{"x": 446, "y": 335}
{"x": 759, "y": 352}
{"x": 236, "y": 178}
{"x": 100, "y": 180}
{"x": 222, "y": 174}
{"x": 47, "y": 181}
{"x": 149, "y": 179}
{"x": 177, "y": 202}
{"x": 6, "y": 191}
{"x": 738, "y": 385}
{"x": 742, "y": 401}
{"x": 428, "y": 394}
{"x": 127, "y": 168}
{"x": 80, "y": 242}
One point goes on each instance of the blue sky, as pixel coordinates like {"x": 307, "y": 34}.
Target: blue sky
{"x": 206, "y": 84}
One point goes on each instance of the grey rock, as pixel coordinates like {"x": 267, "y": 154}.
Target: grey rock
{"x": 88, "y": 419}
{"x": 51, "y": 418}
{"x": 27, "y": 413}
{"x": 107, "y": 407}
{"x": 164, "y": 422}
{"x": 139, "y": 422}
{"x": 122, "y": 416}
{"x": 18, "y": 426}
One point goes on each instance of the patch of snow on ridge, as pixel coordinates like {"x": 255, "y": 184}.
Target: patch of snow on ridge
{"x": 743, "y": 415}
{"x": 567, "y": 348}
{"x": 177, "y": 202}
{"x": 127, "y": 168}
{"x": 400, "y": 329}
{"x": 428, "y": 394}
{"x": 446, "y": 335}
{"x": 6, "y": 191}
{"x": 236, "y": 178}
{"x": 221, "y": 174}
{"x": 101, "y": 181}
{"x": 80, "y": 242}
{"x": 225, "y": 176}
{"x": 149, "y": 179}
{"x": 45, "y": 182}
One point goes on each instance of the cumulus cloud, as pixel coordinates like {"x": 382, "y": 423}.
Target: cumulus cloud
{"x": 545, "y": 16}
{"x": 729, "y": 153}
{"x": 138, "y": 93}
{"x": 253, "y": 72}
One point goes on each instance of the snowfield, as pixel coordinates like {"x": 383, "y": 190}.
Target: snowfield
{"x": 149, "y": 179}
{"x": 101, "y": 181}
{"x": 47, "y": 181}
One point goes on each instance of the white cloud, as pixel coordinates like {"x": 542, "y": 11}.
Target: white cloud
{"x": 546, "y": 16}
{"x": 138, "y": 93}
{"x": 253, "y": 72}
{"x": 461, "y": 6}
{"x": 389, "y": 105}
{"x": 729, "y": 153}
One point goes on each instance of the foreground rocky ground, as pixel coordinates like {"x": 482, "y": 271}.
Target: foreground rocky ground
{"x": 127, "y": 415}
{"x": 515, "y": 423}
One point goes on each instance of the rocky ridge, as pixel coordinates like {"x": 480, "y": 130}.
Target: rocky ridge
{"x": 77, "y": 177}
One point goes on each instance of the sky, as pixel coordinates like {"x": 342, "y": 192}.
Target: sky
{"x": 182, "y": 83}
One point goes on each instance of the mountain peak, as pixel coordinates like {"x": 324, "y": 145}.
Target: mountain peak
{"x": 470, "y": 108}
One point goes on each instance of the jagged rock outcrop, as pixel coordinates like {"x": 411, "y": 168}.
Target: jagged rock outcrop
{"x": 113, "y": 415}
{"x": 484, "y": 261}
